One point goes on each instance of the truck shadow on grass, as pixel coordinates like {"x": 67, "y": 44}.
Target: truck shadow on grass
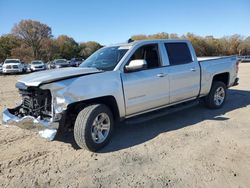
{"x": 129, "y": 135}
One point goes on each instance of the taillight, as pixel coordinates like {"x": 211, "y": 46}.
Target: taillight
{"x": 237, "y": 66}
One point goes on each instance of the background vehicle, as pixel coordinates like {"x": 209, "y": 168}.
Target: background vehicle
{"x": 13, "y": 66}
{"x": 59, "y": 63}
{"x": 1, "y": 68}
{"x": 37, "y": 65}
{"x": 48, "y": 64}
{"x": 135, "y": 82}
{"x": 25, "y": 66}
{"x": 75, "y": 62}
{"x": 68, "y": 61}
{"x": 245, "y": 58}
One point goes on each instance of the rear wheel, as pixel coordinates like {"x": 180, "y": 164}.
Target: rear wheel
{"x": 217, "y": 95}
{"x": 93, "y": 127}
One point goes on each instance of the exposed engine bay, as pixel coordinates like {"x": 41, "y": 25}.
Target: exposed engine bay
{"x": 46, "y": 100}
{"x": 36, "y": 103}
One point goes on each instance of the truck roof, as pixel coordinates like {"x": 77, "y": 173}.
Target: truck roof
{"x": 148, "y": 41}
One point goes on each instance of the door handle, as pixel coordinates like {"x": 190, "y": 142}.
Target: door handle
{"x": 161, "y": 75}
{"x": 193, "y": 69}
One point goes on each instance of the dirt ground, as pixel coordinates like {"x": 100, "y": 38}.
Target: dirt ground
{"x": 192, "y": 148}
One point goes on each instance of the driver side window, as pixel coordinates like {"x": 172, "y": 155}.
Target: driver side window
{"x": 149, "y": 53}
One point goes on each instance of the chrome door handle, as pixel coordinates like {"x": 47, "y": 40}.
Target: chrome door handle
{"x": 193, "y": 69}
{"x": 161, "y": 75}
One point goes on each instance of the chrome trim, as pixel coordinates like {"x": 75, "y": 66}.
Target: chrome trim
{"x": 46, "y": 129}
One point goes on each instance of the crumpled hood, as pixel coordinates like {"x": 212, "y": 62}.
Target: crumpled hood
{"x": 37, "y": 78}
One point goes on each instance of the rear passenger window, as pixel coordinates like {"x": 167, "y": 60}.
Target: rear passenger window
{"x": 178, "y": 53}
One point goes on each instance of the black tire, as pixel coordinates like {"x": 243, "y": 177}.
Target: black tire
{"x": 83, "y": 128}
{"x": 210, "y": 98}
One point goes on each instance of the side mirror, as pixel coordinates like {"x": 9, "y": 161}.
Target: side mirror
{"x": 136, "y": 65}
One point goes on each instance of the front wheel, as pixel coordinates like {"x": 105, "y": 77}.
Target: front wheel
{"x": 93, "y": 127}
{"x": 217, "y": 95}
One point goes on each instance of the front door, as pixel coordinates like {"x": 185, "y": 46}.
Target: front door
{"x": 149, "y": 88}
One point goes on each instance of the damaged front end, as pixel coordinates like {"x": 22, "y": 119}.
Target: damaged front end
{"x": 35, "y": 112}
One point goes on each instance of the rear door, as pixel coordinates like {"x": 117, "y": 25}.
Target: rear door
{"x": 184, "y": 72}
{"x": 146, "y": 89}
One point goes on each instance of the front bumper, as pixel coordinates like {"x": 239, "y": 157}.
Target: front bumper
{"x": 37, "y": 69}
{"x": 46, "y": 129}
{"x": 12, "y": 70}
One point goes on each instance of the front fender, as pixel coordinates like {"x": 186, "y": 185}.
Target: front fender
{"x": 87, "y": 87}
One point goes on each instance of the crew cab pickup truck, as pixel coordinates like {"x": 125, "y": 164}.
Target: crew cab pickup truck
{"x": 132, "y": 82}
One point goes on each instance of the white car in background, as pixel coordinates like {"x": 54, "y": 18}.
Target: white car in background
{"x": 13, "y": 66}
{"x": 245, "y": 58}
{"x": 60, "y": 63}
{"x": 37, "y": 65}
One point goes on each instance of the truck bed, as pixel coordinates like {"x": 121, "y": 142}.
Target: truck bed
{"x": 200, "y": 59}
{"x": 211, "y": 66}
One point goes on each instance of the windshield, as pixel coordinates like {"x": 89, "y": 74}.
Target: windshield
{"x": 60, "y": 61}
{"x": 76, "y": 59}
{"x": 105, "y": 58}
{"x": 11, "y": 61}
{"x": 36, "y": 63}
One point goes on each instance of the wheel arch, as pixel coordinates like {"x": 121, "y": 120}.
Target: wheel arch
{"x": 109, "y": 101}
{"x": 222, "y": 77}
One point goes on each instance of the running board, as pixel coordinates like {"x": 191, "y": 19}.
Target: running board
{"x": 159, "y": 113}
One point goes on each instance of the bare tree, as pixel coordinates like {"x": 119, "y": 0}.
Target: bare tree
{"x": 33, "y": 34}
{"x": 7, "y": 43}
{"x": 23, "y": 52}
{"x": 67, "y": 46}
{"x": 87, "y": 48}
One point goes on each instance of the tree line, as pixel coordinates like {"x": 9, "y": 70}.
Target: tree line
{"x": 208, "y": 45}
{"x": 31, "y": 40}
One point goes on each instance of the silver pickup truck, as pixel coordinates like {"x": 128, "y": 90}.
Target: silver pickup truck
{"x": 134, "y": 82}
